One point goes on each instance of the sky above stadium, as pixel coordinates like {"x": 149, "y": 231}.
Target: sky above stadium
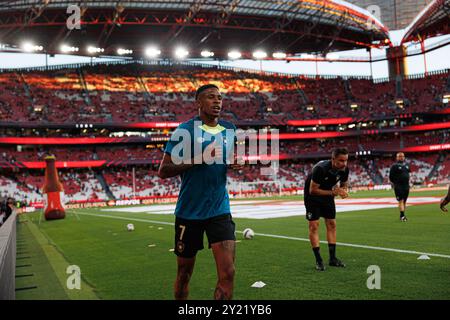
{"x": 436, "y": 60}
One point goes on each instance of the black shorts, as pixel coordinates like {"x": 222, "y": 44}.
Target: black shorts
{"x": 314, "y": 211}
{"x": 401, "y": 193}
{"x": 189, "y": 233}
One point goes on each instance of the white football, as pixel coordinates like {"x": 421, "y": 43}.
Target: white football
{"x": 130, "y": 227}
{"x": 248, "y": 233}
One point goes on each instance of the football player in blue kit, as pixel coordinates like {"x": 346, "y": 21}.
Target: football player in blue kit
{"x": 203, "y": 204}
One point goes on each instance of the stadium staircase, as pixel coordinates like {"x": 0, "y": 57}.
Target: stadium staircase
{"x": 101, "y": 179}
{"x": 300, "y": 91}
{"x": 289, "y": 116}
{"x": 149, "y": 97}
{"x": 193, "y": 80}
{"x": 447, "y": 87}
{"x": 258, "y": 97}
{"x": 80, "y": 73}
{"x": 374, "y": 174}
{"x": 348, "y": 90}
{"x": 27, "y": 89}
{"x": 235, "y": 117}
{"x": 434, "y": 171}
{"x": 398, "y": 87}
{"x": 261, "y": 103}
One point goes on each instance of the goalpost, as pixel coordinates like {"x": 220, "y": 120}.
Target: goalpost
{"x": 277, "y": 183}
{"x": 271, "y": 172}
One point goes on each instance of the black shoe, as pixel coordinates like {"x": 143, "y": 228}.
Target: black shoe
{"x": 320, "y": 266}
{"x": 336, "y": 263}
{"x": 403, "y": 219}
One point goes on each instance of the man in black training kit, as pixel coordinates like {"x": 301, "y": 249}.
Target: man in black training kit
{"x": 320, "y": 190}
{"x": 399, "y": 177}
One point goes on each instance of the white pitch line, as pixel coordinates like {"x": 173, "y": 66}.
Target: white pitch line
{"x": 285, "y": 237}
{"x": 357, "y": 246}
{"x": 126, "y": 218}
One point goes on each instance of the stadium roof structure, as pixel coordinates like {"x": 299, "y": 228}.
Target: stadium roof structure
{"x": 432, "y": 21}
{"x": 246, "y": 25}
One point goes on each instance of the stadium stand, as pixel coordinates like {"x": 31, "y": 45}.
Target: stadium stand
{"x": 115, "y": 94}
{"x": 121, "y": 94}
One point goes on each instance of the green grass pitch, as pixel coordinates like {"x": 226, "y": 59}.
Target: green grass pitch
{"x": 118, "y": 264}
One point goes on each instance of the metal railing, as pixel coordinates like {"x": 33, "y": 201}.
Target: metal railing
{"x": 193, "y": 64}
{"x": 8, "y": 258}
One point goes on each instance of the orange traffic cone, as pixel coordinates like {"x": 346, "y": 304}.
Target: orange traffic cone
{"x": 53, "y": 190}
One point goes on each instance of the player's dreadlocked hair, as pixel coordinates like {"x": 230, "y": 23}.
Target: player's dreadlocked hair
{"x": 339, "y": 151}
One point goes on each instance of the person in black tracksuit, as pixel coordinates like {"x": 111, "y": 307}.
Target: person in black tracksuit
{"x": 399, "y": 177}
{"x": 6, "y": 209}
{"x": 329, "y": 178}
